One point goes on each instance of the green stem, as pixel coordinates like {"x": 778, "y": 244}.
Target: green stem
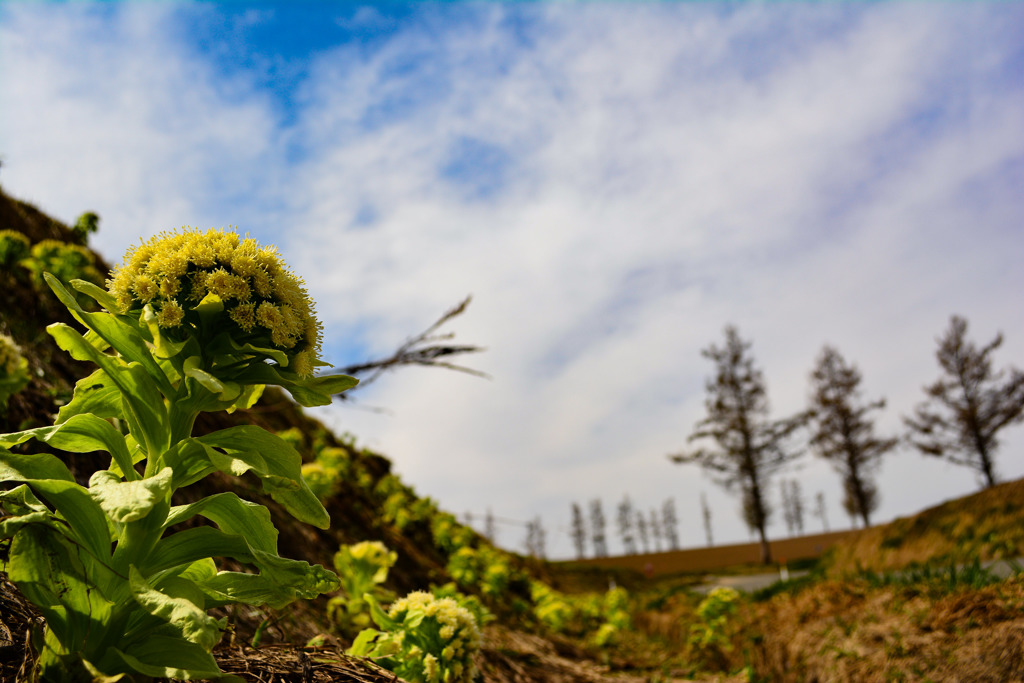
{"x": 136, "y": 543}
{"x": 182, "y": 422}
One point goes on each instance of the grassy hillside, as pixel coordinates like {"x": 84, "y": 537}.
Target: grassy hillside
{"x": 983, "y": 526}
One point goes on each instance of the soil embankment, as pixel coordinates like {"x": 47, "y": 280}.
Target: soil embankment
{"x": 716, "y": 557}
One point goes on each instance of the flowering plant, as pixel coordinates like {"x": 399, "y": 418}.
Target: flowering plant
{"x": 550, "y": 607}
{"x": 122, "y": 592}
{"x": 14, "y": 246}
{"x": 13, "y": 369}
{"x": 615, "y": 613}
{"x": 362, "y": 568}
{"x": 424, "y": 639}
{"x": 714, "y": 612}
{"x": 326, "y": 472}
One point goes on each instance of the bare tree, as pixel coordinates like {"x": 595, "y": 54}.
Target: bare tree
{"x": 626, "y": 526}
{"x": 535, "y": 538}
{"x": 579, "y": 532}
{"x": 641, "y": 532}
{"x": 819, "y": 510}
{"x": 597, "y": 528}
{"x": 967, "y": 407}
{"x": 429, "y": 348}
{"x": 541, "y": 537}
{"x": 655, "y": 525}
{"x": 670, "y": 524}
{"x": 490, "y": 528}
{"x": 787, "y": 507}
{"x": 749, "y": 447}
{"x": 705, "y": 511}
{"x": 796, "y": 506}
{"x": 842, "y": 433}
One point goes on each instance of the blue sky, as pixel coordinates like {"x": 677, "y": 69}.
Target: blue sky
{"x": 612, "y": 182}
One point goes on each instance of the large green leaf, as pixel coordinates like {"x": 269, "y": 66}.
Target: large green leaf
{"x": 191, "y": 545}
{"x": 82, "y": 514}
{"x": 22, "y": 467}
{"x": 275, "y": 462}
{"x": 47, "y": 568}
{"x": 225, "y": 391}
{"x": 281, "y": 581}
{"x": 128, "y": 501}
{"x": 190, "y": 461}
{"x": 319, "y": 391}
{"x": 142, "y": 400}
{"x": 80, "y": 434}
{"x": 137, "y": 540}
{"x": 186, "y": 617}
{"x": 21, "y": 501}
{"x": 96, "y": 395}
{"x": 233, "y": 516}
{"x": 124, "y": 338}
{"x": 15, "y": 522}
{"x": 307, "y": 391}
{"x": 170, "y": 657}
{"x": 100, "y": 295}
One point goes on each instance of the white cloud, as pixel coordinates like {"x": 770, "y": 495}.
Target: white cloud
{"x": 106, "y": 111}
{"x": 646, "y": 175}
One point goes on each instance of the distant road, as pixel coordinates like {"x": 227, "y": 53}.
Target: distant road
{"x": 748, "y": 583}
{"x": 753, "y": 582}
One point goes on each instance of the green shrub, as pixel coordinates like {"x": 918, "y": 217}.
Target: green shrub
{"x": 13, "y": 369}
{"x": 86, "y": 224}
{"x": 64, "y": 261}
{"x": 14, "y": 246}
{"x": 616, "y": 617}
{"x": 450, "y": 536}
{"x": 486, "y": 569}
{"x": 551, "y": 607}
{"x": 711, "y": 635}
{"x": 325, "y": 474}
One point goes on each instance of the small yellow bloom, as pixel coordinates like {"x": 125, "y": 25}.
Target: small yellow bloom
{"x": 171, "y": 314}
{"x": 170, "y": 286}
{"x": 199, "y": 288}
{"x": 244, "y": 316}
{"x": 269, "y": 316}
{"x": 430, "y": 668}
{"x": 145, "y": 288}
{"x": 243, "y": 260}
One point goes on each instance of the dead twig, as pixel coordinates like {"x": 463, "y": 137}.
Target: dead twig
{"x": 428, "y": 348}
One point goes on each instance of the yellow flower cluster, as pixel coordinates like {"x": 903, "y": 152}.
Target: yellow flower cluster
{"x": 374, "y": 553}
{"x": 457, "y": 632}
{"x": 174, "y": 272}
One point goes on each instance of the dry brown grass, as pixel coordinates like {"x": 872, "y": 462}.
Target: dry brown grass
{"x": 850, "y": 631}
{"x": 985, "y": 526}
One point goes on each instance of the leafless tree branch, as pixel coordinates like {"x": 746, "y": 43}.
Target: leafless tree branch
{"x": 428, "y": 348}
